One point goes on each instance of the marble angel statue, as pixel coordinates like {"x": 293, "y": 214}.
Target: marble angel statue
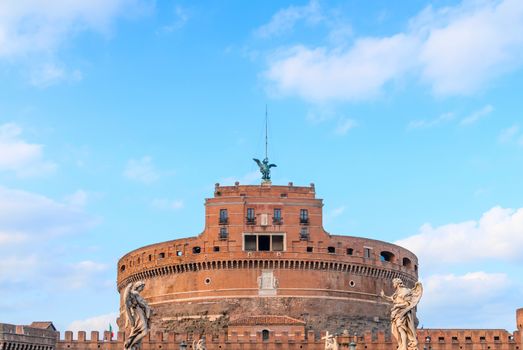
{"x": 402, "y": 316}
{"x": 138, "y": 314}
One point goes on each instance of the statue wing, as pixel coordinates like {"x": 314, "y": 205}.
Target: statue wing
{"x": 272, "y": 165}
{"x": 258, "y": 162}
{"x": 417, "y": 292}
{"x": 129, "y": 320}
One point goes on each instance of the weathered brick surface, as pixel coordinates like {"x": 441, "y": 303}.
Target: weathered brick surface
{"x": 328, "y": 281}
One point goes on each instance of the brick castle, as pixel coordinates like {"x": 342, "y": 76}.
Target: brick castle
{"x": 264, "y": 274}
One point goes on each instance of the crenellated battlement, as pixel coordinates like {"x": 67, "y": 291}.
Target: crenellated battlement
{"x": 429, "y": 339}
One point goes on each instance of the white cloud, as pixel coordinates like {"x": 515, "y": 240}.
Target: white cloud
{"x": 51, "y": 74}
{"x": 19, "y": 156}
{"x": 79, "y": 275}
{"x": 508, "y": 134}
{"x": 471, "y": 300}
{"x": 167, "y": 204}
{"x": 31, "y": 225}
{"x": 284, "y": 20}
{"x": 181, "y": 16}
{"x": 344, "y": 125}
{"x": 38, "y": 216}
{"x": 321, "y": 74}
{"x": 141, "y": 170}
{"x": 96, "y": 323}
{"x": 30, "y": 26}
{"x": 429, "y": 123}
{"x": 477, "y": 115}
{"x": 469, "y": 44}
{"x": 496, "y": 235}
{"x": 455, "y": 50}
{"x": 77, "y": 199}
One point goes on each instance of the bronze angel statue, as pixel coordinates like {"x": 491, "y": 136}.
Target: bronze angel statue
{"x": 138, "y": 315}
{"x": 265, "y": 168}
{"x": 402, "y": 316}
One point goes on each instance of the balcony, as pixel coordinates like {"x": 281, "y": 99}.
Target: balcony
{"x": 304, "y": 221}
{"x": 250, "y": 221}
{"x": 224, "y": 221}
{"x": 277, "y": 221}
{"x": 224, "y": 235}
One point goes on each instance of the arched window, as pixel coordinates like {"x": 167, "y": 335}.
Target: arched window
{"x": 407, "y": 262}
{"x": 265, "y": 335}
{"x": 387, "y": 256}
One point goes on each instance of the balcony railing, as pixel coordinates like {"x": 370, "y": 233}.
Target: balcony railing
{"x": 224, "y": 221}
{"x": 250, "y": 221}
{"x": 277, "y": 221}
{"x": 304, "y": 221}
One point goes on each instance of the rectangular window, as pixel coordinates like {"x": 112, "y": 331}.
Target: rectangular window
{"x": 250, "y": 243}
{"x": 304, "y": 234}
{"x": 224, "y": 218}
{"x": 366, "y": 253}
{"x": 350, "y": 251}
{"x": 277, "y": 243}
{"x": 251, "y": 217}
{"x": 264, "y": 243}
{"x": 276, "y": 218}
{"x": 304, "y": 216}
{"x": 223, "y": 233}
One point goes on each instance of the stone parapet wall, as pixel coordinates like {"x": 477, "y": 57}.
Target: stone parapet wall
{"x": 440, "y": 339}
{"x": 21, "y": 337}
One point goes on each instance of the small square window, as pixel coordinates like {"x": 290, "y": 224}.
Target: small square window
{"x": 309, "y": 249}
{"x": 366, "y": 253}
{"x": 216, "y": 249}
{"x": 350, "y": 251}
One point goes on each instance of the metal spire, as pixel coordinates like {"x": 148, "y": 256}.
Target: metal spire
{"x": 266, "y": 137}
{"x": 265, "y": 167}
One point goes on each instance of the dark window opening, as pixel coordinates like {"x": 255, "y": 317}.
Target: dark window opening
{"x": 406, "y": 262}
{"x": 250, "y": 243}
{"x": 251, "y": 217}
{"x": 427, "y": 339}
{"x": 223, "y": 233}
{"x": 224, "y": 217}
{"x": 277, "y": 243}
{"x": 265, "y": 335}
{"x": 216, "y": 249}
{"x": 441, "y": 339}
{"x": 331, "y": 250}
{"x": 196, "y": 250}
{"x": 161, "y": 255}
{"x": 150, "y": 257}
{"x": 366, "y": 253}
{"x": 454, "y": 339}
{"x": 122, "y": 268}
{"x": 350, "y": 251}
{"x": 304, "y": 234}
{"x": 415, "y": 267}
{"x": 496, "y": 338}
{"x": 309, "y": 249}
{"x": 283, "y": 195}
{"x": 304, "y": 216}
{"x": 386, "y": 256}
{"x": 482, "y": 339}
{"x": 276, "y": 218}
{"x": 468, "y": 339}
{"x": 264, "y": 243}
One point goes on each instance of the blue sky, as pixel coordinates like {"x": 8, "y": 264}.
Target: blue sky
{"x": 118, "y": 116}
